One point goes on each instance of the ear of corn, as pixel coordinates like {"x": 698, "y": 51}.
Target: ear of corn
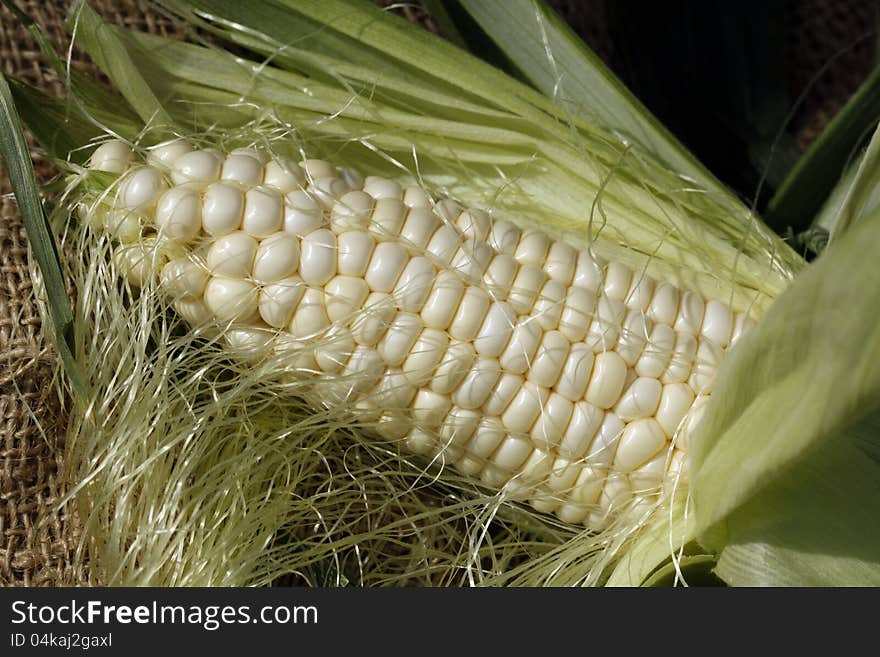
{"x": 568, "y": 380}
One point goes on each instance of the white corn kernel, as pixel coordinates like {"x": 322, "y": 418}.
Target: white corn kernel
{"x": 469, "y": 465}
{"x": 140, "y": 261}
{"x": 278, "y": 300}
{"x": 582, "y": 427}
{"x": 549, "y": 305}
{"x": 526, "y": 286}
{"x": 561, "y": 262}
{"x": 655, "y": 357}
{"x": 415, "y": 197}
{"x": 618, "y": 278}
{"x": 194, "y": 312}
{"x": 393, "y": 393}
{"x": 572, "y": 382}
{"x": 640, "y": 293}
{"x": 398, "y": 341}
{"x": 345, "y": 296}
{"x": 563, "y": 475}
{"x": 386, "y": 265}
{"x": 471, "y": 260}
{"x": 420, "y": 225}
{"x": 607, "y": 380}
{"x": 424, "y": 356}
{"x": 604, "y": 445}
{"x": 682, "y": 360}
{"x": 639, "y": 400}
{"x": 470, "y": 314}
{"x": 588, "y": 272}
{"x": 242, "y": 169}
{"x": 113, "y": 156}
{"x": 141, "y": 189}
{"x": 302, "y": 213}
{"x": 702, "y": 378}
{"x": 474, "y": 225}
{"x": 370, "y": 325}
{"x": 532, "y": 248}
{"x": 605, "y": 327}
{"x": 184, "y": 279}
{"x": 327, "y": 190}
{"x": 496, "y": 330}
{"x": 277, "y": 257}
{"x": 317, "y": 261}
{"x": 251, "y": 152}
{"x": 448, "y": 210}
{"x": 283, "y": 175}
{"x": 577, "y": 313}
{"x": 316, "y": 169}
{"x": 690, "y": 314}
{"x": 616, "y": 494}
{"x": 536, "y": 468}
{"x": 412, "y": 288}
{"x": 499, "y": 276}
{"x": 504, "y": 237}
{"x": 201, "y": 166}
{"x": 222, "y": 210}
{"x": 486, "y": 438}
{"x": 164, "y": 155}
{"x": 741, "y": 325}
{"x": 263, "y": 212}
{"x": 443, "y": 301}
{"x": 444, "y": 244}
{"x": 522, "y": 412}
{"x": 549, "y": 359}
{"x": 648, "y": 477}
{"x": 502, "y": 394}
{"x": 362, "y": 372}
{"x": 178, "y": 214}
{"x": 125, "y": 225}
{"x": 231, "y": 299}
{"x": 664, "y": 304}
{"x": 634, "y": 333}
{"x": 420, "y": 442}
{"x": 453, "y": 367}
{"x": 588, "y": 486}
{"x": 675, "y": 400}
{"x": 640, "y": 441}
{"x": 334, "y": 350}
{"x": 512, "y": 453}
{"x": 351, "y": 212}
{"x": 232, "y": 255}
{"x": 520, "y": 352}
{"x": 717, "y": 323}
{"x": 430, "y": 409}
{"x": 379, "y": 187}
{"x": 386, "y": 221}
{"x": 310, "y": 316}
{"x": 552, "y": 423}
{"x": 247, "y": 343}
{"x": 354, "y": 249}
{"x": 477, "y": 384}
{"x": 458, "y": 426}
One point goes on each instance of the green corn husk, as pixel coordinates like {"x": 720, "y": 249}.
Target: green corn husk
{"x": 190, "y": 471}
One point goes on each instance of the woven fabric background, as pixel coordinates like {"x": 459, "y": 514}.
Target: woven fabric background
{"x": 37, "y": 538}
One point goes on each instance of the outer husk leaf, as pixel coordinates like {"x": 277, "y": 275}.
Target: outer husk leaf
{"x": 786, "y": 464}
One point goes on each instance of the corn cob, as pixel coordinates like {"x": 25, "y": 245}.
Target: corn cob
{"x": 569, "y": 381}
